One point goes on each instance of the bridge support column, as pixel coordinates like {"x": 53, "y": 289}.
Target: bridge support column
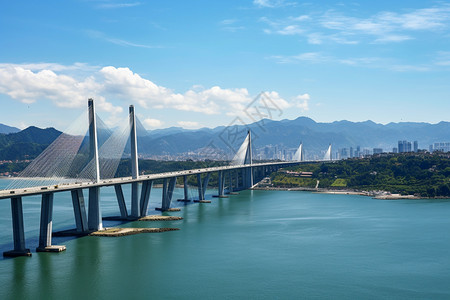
{"x": 186, "y": 188}
{"x": 145, "y": 196}
{"x": 45, "y": 234}
{"x": 95, "y": 215}
{"x": 121, "y": 201}
{"x": 230, "y": 181}
{"x": 135, "y": 209}
{"x": 221, "y": 183}
{"x": 168, "y": 187}
{"x": 202, "y": 186}
{"x": 18, "y": 230}
{"x": 79, "y": 210}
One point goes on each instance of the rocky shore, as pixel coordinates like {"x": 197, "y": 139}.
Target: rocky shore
{"x": 113, "y": 232}
{"x": 160, "y": 218}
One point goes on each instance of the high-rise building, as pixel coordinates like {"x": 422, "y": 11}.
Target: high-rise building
{"x": 351, "y": 152}
{"x": 416, "y": 146}
{"x": 395, "y": 150}
{"x": 404, "y": 146}
{"x": 443, "y": 147}
{"x": 377, "y": 150}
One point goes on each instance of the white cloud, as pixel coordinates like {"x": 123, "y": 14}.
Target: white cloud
{"x": 270, "y": 3}
{"x": 189, "y": 124}
{"x": 101, "y": 36}
{"x": 290, "y": 30}
{"x": 109, "y": 85}
{"x": 118, "y": 5}
{"x": 442, "y": 58}
{"x": 383, "y": 27}
{"x": 302, "y": 102}
{"x": 152, "y": 123}
{"x": 65, "y": 91}
{"x": 231, "y": 25}
{"x": 228, "y": 21}
{"x": 312, "y": 57}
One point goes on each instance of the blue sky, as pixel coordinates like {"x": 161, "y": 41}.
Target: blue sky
{"x": 200, "y": 63}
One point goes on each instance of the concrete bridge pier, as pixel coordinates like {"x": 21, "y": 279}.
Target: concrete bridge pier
{"x": 168, "y": 187}
{"x": 145, "y": 196}
{"x": 45, "y": 234}
{"x": 236, "y": 175}
{"x": 121, "y": 201}
{"x": 230, "y": 182}
{"x": 202, "y": 186}
{"x": 221, "y": 183}
{"x": 135, "y": 208}
{"x": 18, "y": 230}
{"x": 94, "y": 214}
{"x": 186, "y": 190}
{"x": 79, "y": 210}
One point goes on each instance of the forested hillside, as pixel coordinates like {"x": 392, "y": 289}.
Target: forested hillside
{"x": 427, "y": 175}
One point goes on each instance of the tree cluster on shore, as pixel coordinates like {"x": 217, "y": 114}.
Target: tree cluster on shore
{"x": 421, "y": 174}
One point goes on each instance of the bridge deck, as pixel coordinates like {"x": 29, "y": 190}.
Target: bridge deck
{"x": 64, "y": 187}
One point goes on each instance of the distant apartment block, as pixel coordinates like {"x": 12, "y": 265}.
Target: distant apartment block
{"x": 406, "y": 146}
{"x": 442, "y": 147}
{"x": 377, "y": 150}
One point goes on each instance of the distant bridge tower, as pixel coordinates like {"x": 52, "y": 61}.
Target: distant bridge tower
{"x": 328, "y": 155}
{"x": 244, "y": 157}
{"x": 299, "y": 156}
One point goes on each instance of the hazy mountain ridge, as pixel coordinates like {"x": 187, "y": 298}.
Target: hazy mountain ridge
{"x": 315, "y": 136}
{"x": 5, "y": 129}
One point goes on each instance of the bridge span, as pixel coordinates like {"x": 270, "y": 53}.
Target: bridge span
{"x": 240, "y": 175}
{"x": 230, "y": 179}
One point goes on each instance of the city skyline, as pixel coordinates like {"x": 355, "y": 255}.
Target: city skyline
{"x": 200, "y": 64}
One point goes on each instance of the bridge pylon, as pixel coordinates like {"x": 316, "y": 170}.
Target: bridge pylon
{"x": 94, "y": 214}
{"x": 135, "y": 207}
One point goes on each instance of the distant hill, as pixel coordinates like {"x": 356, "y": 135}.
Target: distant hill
{"x": 26, "y": 144}
{"x": 289, "y": 133}
{"x": 5, "y": 129}
{"x": 315, "y": 136}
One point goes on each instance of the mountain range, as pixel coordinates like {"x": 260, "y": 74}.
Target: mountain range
{"x": 285, "y": 134}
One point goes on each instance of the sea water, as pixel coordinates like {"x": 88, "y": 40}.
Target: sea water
{"x": 255, "y": 245}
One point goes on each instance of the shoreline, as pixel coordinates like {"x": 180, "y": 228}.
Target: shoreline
{"x": 380, "y": 195}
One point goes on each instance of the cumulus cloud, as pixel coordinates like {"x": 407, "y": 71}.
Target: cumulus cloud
{"x": 188, "y": 124}
{"x": 302, "y": 102}
{"x": 28, "y": 86}
{"x": 152, "y": 123}
{"x": 110, "y": 85}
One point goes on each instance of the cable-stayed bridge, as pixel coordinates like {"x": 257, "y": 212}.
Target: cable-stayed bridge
{"x": 87, "y": 158}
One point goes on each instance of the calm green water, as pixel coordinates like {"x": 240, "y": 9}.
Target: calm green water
{"x": 257, "y": 245}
